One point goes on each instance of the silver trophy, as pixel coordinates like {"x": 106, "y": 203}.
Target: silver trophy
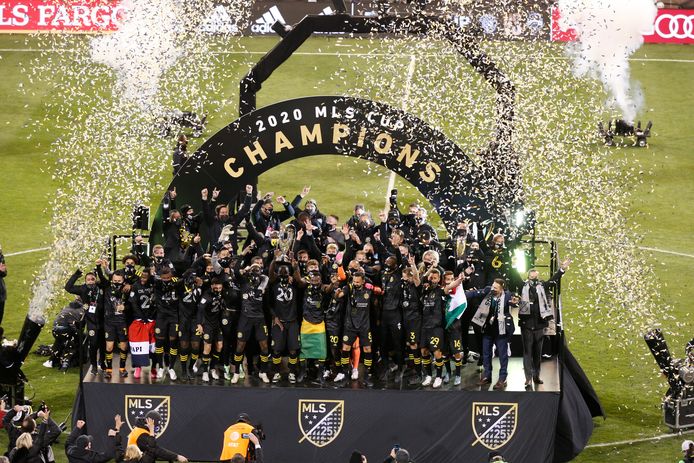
{"x": 285, "y": 242}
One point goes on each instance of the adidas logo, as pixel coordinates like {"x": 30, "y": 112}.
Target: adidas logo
{"x": 263, "y": 25}
{"x": 219, "y": 22}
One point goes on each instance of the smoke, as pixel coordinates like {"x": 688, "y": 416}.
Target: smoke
{"x": 143, "y": 49}
{"x": 608, "y": 33}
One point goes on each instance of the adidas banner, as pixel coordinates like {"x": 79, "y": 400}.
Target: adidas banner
{"x": 327, "y": 425}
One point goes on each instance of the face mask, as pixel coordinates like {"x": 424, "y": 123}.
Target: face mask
{"x": 352, "y": 271}
{"x": 284, "y": 279}
{"x": 177, "y": 222}
{"x": 224, "y": 262}
{"x": 217, "y": 294}
{"x": 190, "y": 280}
{"x": 190, "y": 216}
{"x": 158, "y": 259}
{"x": 224, "y": 217}
{"x": 499, "y": 245}
{"x": 116, "y": 286}
{"x": 302, "y": 266}
{"x": 332, "y": 257}
{"x": 91, "y": 285}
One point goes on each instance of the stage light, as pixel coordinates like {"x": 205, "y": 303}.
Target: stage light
{"x": 520, "y": 260}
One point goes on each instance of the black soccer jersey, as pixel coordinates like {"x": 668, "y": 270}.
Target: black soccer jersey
{"x": 141, "y": 301}
{"x": 188, "y": 303}
{"x": 166, "y": 297}
{"x": 433, "y": 307}
{"x": 358, "y": 306}
{"x": 411, "y": 308}
{"x": 252, "y": 297}
{"x": 313, "y": 304}
{"x": 283, "y": 301}
{"x": 210, "y": 309}
{"x": 391, "y": 290}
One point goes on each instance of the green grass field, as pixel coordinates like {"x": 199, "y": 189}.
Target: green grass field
{"x": 660, "y": 205}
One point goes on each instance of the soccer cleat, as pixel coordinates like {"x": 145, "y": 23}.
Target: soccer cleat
{"x": 123, "y": 373}
{"x": 241, "y": 372}
{"x": 326, "y": 374}
{"x": 153, "y": 373}
{"x": 355, "y": 373}
{"x": 446, "y": 378}
{"x": 234, "y": 378}
{"x": 137, "y": 374}
{"x": 393, "y": 368}
{"x": 427, "y": 380}
{"x": 94, "y": 370}
{"x": 172, "y": 374}
{"x": 214, "y": 373}
{"x": 48, "y": 363}
{"x": 437, "y": 382}
{"x": 456, "y": 381}
{"x": 196, "y": 366}
{"x": 339, "y": 377}
{"x": 292, "y": 378}
{"x": 205, "y": 377}
{"x": 160, "y": 372}
{"x": 263, "y": 376}
{"x": 107, "y": 373}
{"x": 276, "y": 378}
{"x": 227, "y": 372}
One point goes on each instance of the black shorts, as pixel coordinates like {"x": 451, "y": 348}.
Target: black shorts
{"x": 413, "y": 331}
{"x": 211, "y": 334}
{"x": 454, "y": 337}
{"x": 432, "y": 338}
{"x": 351, "y": 334}
{"x": 188, "y": 331}
{"x": 115, "y": 331}
{"x": 166, "y": 326}
{"x": 287, "y": 338}
{"x": 248, "y": 326}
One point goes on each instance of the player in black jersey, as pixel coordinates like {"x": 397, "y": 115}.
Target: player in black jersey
{"x": 334, "y": 314}
{"x": 432, "y": 327}
{"x": 453, "y": 332}
{"x": 209, "y": 323}
{"x": 188, "y": 333}
{"x": 412, "y": 318}
{"x": 115, "y": 327}
{"x": 92, "y": 296}
{"x": 285, "y": 323}
{"x": 141, "y": 329}
{"x": 166, "y": 298}
{"x": 252, "y": 319}
{"x": 358, "y": 297}
{"x": 391, "y": 316}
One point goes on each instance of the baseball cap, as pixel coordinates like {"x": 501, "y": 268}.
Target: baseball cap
{"x": 402, "y": 456}
{"x": 686, "y": 444}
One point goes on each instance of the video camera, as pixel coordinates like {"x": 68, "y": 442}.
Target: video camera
{"x": 393, "y": 213}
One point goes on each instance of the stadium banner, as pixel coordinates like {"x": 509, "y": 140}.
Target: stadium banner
{"x": 86, "y": 16}
{"x": 327, "y": 425}
{"x": 670, "y": 26}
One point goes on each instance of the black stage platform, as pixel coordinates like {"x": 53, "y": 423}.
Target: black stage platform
{"x": 315, "y": 422}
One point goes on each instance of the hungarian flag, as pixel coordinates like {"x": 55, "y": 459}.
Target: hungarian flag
{"x": 141, "y": 340}
{"x": 455, "y": 305}
{"x": 314, "y": 344}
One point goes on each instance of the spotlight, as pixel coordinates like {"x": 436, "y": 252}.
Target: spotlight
{"x": 520, "y": 260}
{"x": 521, "y": 222}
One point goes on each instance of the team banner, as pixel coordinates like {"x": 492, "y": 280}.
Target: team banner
{"x": 670, "y": 26}
{"x": 327, "y": 425}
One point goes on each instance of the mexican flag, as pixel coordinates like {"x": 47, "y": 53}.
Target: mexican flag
{"x": 314, "y": 344}
{"x": 455, "y": 305}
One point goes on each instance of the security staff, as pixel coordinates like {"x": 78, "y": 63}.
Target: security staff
{"x": 237, "y": 438}
{"x": 144, "y": 436}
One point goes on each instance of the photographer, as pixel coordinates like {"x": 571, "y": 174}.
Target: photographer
{"x": 237, "y": 438}
{"x": 398, "y": 455}
{"x": 66, "y": 327}
{"x": 78, "y": 446}
{"x": 144, "y": 436}
{"x": 29, "y": 443}
{"x": 3, "y": 290}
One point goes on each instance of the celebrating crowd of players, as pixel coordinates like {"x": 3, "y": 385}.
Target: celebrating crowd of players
{"x": 300, "y": 285}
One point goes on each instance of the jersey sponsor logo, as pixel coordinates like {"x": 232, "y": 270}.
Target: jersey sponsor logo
{"x": 320, "y": 421}
{"x": 137, "y": 406}
{"x": 494, "y": 423}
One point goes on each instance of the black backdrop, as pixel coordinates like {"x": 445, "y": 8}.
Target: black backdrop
{"x": 434, "y": 426}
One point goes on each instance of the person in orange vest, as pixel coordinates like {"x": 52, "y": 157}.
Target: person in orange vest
{"x": 237, "y": 438}
{"x": 143, "y": 435}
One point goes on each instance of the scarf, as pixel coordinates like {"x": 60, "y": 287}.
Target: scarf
{"x": 545, "y": 306}
{"x": 482, "y": 313}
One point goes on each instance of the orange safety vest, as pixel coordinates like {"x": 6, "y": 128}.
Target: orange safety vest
{"x": 234, "y": 442}
{"x": 135, "y": 434}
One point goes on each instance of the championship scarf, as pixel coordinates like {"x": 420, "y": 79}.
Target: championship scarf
{"x": 141, "y": 339}
{"x": 483, "y": 312}
{"x": 545, "y": 306}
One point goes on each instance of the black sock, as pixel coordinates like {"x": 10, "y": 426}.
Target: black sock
{"x": 123, "y": 358}
{"x": 109, "y": 360}
{"x": 367, "y": 361}
{"x": 264, "y": 361}
{"x": 458, "y": 365}
{"x": 426, "y": 365}
{"x": 439, "y": 367}
{"x": 293, "y": 363}
{"x": 344, "y": 361}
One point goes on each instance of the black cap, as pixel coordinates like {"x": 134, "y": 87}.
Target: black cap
{"x": 154, "y": 415}
{"x": 494, "y": 456}
{"x": 244, "y": 418}
{"x": 83, "y": 440}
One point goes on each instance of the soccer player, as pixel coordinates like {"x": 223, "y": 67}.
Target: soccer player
{"x": 252, "y": 319}
{"x": 209, "y": 321}
{"x": 391, "y": 315}
{"x": 412, "y": 318}
{"x": 432, "y": 327}
{"x": 188, "y": 330}
{"x": 166, "y": 299}
{"x": 357, "y": 325}
{"x": 285, "y": 324}
{"x": 454, "y": 335}
{"x": 141, "y": 330}
{"x": 115, "y": 327}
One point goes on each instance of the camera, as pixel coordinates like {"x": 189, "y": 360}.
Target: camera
{"x": 393, "y": 198}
